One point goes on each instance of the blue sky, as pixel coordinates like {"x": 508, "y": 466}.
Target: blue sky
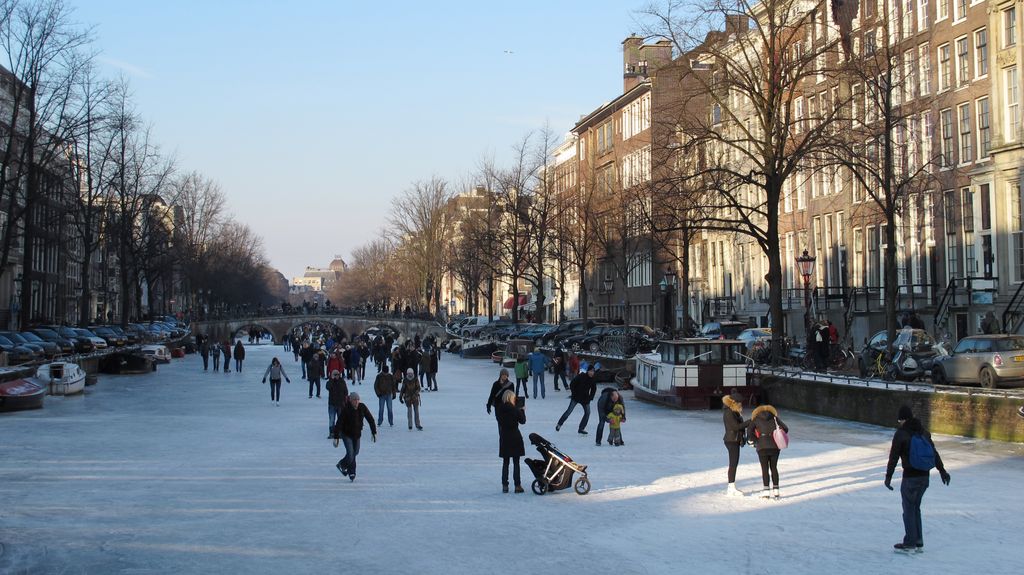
{"x": 313, "y": 115}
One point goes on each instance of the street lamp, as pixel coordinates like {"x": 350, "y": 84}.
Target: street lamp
{"x": 805, "y": 263}
{"x": 608, "y": 285}
{"x": 667, "y": 285}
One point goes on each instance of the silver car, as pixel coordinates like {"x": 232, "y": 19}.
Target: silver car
{"x": 989, "y": 360}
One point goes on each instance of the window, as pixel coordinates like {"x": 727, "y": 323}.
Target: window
{"x": 963, "y": 73}
{"x": 924, "y": 61}
{"x": 941, "y": 10}
{"x": 952, "y": 250}
{"x": 926, "y": 136}
{"x": 960, "y": 10}
{"x": 716, "y": 114}
{"x": 946, "y": 120}
{"x": 1012, "y": 104}
{"x": 872, "y": 263}
{"x": 908, "y": 82}
{"x": 967, "y": 209}
{"x": 985, "y": 201}
{"x": 1016, "y": 230}
{"x": 984, "y": 128}
{"x": 964, "y": 114}
{"x": 1010, "y": 27}
{"x": 922, "y": 15}
{"x": 945, "y": 72}
{"x": 980, "y": 53}
{"x": 858, "y": 257}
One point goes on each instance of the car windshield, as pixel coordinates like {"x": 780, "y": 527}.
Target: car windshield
{"x": 46, "y": 332}
{"x": 5, "y": 341}
{"x": 1010, "y": 344}
{"x": 15, "y": 337}
{"x": 31, "y": 337}
{"x": 84, "y": 332}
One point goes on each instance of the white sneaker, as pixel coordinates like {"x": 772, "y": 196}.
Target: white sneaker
{"x": 775, "y": 492}
{"x": 766, "y": 493}
{"x": 733, "y": 492}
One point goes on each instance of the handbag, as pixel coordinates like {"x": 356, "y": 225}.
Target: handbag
{"x": 780, "y": 436}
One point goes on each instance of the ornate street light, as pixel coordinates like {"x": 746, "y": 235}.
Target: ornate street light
{"x": 805, "y": 263}
{"x": 608, "y": 285}
{"x": 668, "y": 285}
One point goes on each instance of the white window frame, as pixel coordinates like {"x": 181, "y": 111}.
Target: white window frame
{"x": 981, "y": 53}
{"x": 983, "y": 150}
{"x": 962, "y": 60}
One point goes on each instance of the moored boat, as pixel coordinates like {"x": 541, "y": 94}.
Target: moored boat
{"x": 478, "y": 349}
{"x": 158, "y": 353}
{"x": 61, "y": 377}
{"x": 21, "y": 394}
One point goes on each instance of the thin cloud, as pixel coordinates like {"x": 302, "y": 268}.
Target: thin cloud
{"x": 131, "y": 69}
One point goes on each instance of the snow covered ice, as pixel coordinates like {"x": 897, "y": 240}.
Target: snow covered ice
{"x": 183, "y": 471}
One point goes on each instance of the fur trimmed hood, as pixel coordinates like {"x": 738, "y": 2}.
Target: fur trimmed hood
{"x": 731, "y": 404}
{"x": 764, "y": 409}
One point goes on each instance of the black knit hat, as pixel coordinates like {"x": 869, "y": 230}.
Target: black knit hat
{"x": 905, "y": 414}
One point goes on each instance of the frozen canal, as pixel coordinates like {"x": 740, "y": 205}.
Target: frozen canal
{"x": 183, "y": 471}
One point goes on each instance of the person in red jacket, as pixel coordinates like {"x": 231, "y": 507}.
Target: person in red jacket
{"x": 335, "y": 362}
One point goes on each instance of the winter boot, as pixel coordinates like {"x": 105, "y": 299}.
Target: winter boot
{"x": 733, "y": 492}
{"x": 519, "y": 489}
{"x": 766, "y": 493}
{"x": 775, "y": 492}
{"x": 504, "y": 488}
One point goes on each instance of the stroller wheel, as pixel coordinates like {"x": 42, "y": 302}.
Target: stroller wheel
{"x": 539, "y": 487}
{"x": 582, "y": 486}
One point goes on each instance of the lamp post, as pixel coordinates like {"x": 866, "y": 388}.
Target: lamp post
{"x": 608, "y": 285}
{"x": 667, "y": 285}
{"x": 805, "y": 263}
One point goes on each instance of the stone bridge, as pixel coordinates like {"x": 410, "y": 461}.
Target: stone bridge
{"x": 279, "y": 325}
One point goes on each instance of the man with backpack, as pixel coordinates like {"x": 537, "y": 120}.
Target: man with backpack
{"x": 914, "y": 446}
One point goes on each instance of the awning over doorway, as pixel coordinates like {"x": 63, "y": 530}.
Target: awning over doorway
{"x": 523, "y": 300}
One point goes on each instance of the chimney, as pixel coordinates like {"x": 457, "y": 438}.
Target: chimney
{"x": 631, "y": 60}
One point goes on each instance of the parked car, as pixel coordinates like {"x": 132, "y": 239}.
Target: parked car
{"x": 140, "y": 332}
{"x": 753, "y": 336}
{"x": 112, "y": 338}
{"x": 129, "y": 339}
{"x": 570, "y": 328}
{"x": 918, "y": 343}
{"x": 82, "y": 343}
{"x": 492, "y": 330}
{"x": 66, "y": 346}
{"x": 722, "y": 330}
{"x": 19, "y": 339}
{"x": 49, "y": 348}
{"x": 17, "y": 353}
{"x": 97, "y": 341}
{"x": 988, "y": 360}
{"x": 473, "y": 323}
{"x": 615, "y": 339}
{"x": 536, "y": 332}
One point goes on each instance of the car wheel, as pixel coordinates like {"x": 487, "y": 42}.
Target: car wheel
{"x": 987, "y": 378}
{"x": 939, "y": 377}
{"x": 594, "y": 346}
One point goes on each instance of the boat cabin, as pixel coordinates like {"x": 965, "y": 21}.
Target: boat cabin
{"x": 693, "y": 373}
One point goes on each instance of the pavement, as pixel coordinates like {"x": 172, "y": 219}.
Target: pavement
{"x": 185, "y": 471}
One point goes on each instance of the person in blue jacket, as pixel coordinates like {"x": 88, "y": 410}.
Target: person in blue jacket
{"x": 538, "y": 365}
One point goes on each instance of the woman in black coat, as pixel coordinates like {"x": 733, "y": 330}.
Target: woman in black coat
{"x": 763, "y": 422}
{"x": 735, "y": 435}
{"x": 510, "y": 440}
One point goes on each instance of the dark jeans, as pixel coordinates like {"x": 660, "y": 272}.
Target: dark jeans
{"x": 332, "y": 417}
{"x": 734, "y": 459}
{"x": 227, "y": 364}
{"x": 515, "y": 471}
{"x": 432, "y": 381}
{"x": 572, "y": 405}
{"x": 560, "y": 373}
{"x": 526, "y": 389}
{"x": 769, "y": 461}
{"x": 315, "y": 382}
{"x": 275, "y": 390}
{"x": 912, "y": 491}
{"x": 206, "y": 361}
{"x": 238, "y": 365}
{"x": 216, "y": 361}
{"x": 348, "y": 463}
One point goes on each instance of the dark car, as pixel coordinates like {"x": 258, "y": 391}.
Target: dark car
{"x": 112, "y": 338}
{"x": 570, "y": 328}
{"x": 591, "y": 339}
{"x": 51, "y": 335}
{"x": 130, "y": 339}
{"x": 82, "y": 343}
{"x": 17, "y": 353}
{"x": 19, "y": 339}
{"x": 920, "y": 344}
{"x": 536, "y": 332}
{"x": 615, "y": 339}
{"x": 49, "y": 348}
{"x": 988, "y": 360}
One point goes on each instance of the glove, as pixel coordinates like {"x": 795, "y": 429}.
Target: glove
{"x": 400, "y": 400}
{"x": 288, "y": 380}
{"x": 374, "y": 438}
{"x": 488, "y": 410}
{"x": 888, "y": 483}
{"x": 335, "y": 441}
{"x": 264, "y": 381}
{"x": 945, "y": 477}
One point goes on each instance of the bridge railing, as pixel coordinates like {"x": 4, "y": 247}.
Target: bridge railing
{"x": 246, "y": 313}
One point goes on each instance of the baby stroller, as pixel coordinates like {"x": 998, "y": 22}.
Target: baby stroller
{"x": 555, "y": 471}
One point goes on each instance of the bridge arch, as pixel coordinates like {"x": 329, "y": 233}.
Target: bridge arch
{"x": 278, "y": 326}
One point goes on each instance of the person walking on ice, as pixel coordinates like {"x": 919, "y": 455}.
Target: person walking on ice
{"x": 275, "y": 370}
{"x": 349, "y": 430}
{"x": 615, "y": 419}
{"x": 912, "y": 445}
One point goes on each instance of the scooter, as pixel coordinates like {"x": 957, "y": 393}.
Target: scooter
{"x": 903, "y": 366}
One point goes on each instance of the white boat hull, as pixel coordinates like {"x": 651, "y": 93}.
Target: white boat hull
{"x": 61, "y": 378}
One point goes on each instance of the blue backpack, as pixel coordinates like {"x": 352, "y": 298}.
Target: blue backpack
{"x": 922, "y": 454}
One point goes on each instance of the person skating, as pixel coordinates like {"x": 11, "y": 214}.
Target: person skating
{"x": 275, "y": 370}
{"x": 409, "y": 394}
{"x": 735, "y": 434}
{"x": 239, "y": 355}
{"x": 349, "y": 429}
{"x": 558, "y": 367}
{"x": 498, "y": 389}
{"x": 337, "y": 395}
{"x": 606, "y": 402}
{"x": 522, "y": 370}
{"x": 384, "y": 387}
{"x": 538, "y": 365}
{"x": 335, "y": 362}
{"x": 215, "y": 355}
{"x": 615, "y": 419}
{"x": 912, "y": 444}
{"x": 510, "y": 440}
{"x": 582, "y": 390}
{"x": 314, "y": 371}
{"x": 204, "y": 352}
{"x": 226, "y": 350}
{"x": 763, "y": 422}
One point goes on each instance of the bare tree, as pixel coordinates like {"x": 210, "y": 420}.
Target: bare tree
{"x": 422, "y": 218}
